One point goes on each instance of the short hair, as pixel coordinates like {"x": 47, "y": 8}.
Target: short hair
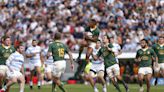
{"x": 145, "y": 40}
{"x": 5, "y": 37}
{"x": 161, "y": 37}
{"x": 93, "y": 21}
{"x": 20, "y": 44}
{"x": 34, "y": 40}
{"x": 57, "y": 36}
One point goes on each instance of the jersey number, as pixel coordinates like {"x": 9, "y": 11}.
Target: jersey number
{"x": 61, "y": 52}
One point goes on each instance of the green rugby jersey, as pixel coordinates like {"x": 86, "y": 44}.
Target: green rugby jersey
{"x": 159, "y": 50}
{"x": 5, "y": 53}
{"x": 58, "y": 50}
{"x": 95, "y": 32}
{"x": 146, "y": 57}
{"x": 108, "y": 56}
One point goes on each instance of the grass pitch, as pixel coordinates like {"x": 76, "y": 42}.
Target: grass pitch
{"x": 86, "y": 88}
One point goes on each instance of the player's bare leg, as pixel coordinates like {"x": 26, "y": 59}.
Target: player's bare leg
{"x": 162, "y": 72}
{"x": 31, "y": 76}
{"x": 140, "y": 79}
{"x": 88, "y": 54}
{"x": 1, "y": 80}
{"x": 90, "y": 79}
{"x": 100, "y": 77}
{"x": 9, "y": 83}
{"x": 39, "y": 75}
{"x": 92, "y": 82}
{"x": 49, "y": 75}
{"x": 123, "y": 82}
{"x": 57, "y": 81}
{"x": 82, "y": 46}
{"x": 21, "y": 84}
{"x": 8, "y": 88}
{"x": 148, "y": 78}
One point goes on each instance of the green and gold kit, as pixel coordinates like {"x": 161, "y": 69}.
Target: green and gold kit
{"x": 146, "y": 57}
{"x": 58, "y": 50}
{"x": 159, "y": 50}
{"x": 108, "y": 56}
{"x": 5, "y": 52}
{"x": 95, "y": 32}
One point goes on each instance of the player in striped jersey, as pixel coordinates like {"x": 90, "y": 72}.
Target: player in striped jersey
{"x": 97, "y": 70}
{"x": 35, "y": 57}
{"x": 15, "y": 72}
{"x": 48, "y": 64}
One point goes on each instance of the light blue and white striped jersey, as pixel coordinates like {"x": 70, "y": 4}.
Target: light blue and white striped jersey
{"x": 31, "y": 50}
{"x": 15, "y": 61}
{"x": 95, "y": 51}
{"x": 48, "y": 61}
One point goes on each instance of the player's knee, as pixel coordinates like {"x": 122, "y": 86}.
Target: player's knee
{"x": 14, "y": 81}
{"x": 100, "y": 74}
{"x": 1, "y": 76}
{"x": 140, "y": 78}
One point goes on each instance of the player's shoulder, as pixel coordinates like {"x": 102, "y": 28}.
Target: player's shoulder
{"x": 29, "y": 48}
{"x": 1, "y": 46}
{"x": 139, "y": 50}
{"x": 12, "y": 47}
{"x": 110, "y": 45}
{"x": 155, "y": 45}
{"x": 151, "y": 49}
{"x": 38, "y": 47}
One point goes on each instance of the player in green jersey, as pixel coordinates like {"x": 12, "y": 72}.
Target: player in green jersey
{"x": 159, "y": 50}
{"x": 145, "y": 56}
{"x": 90, "y": 38}
{"x": 111, "y": 65}
{"x": 58, "y": 50}
{"x": 5, "y": 50}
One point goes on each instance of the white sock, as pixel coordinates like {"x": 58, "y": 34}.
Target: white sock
{"x": 21, "y": 90}
{"x": 104, "y": 86}
{"x": 39, "y": 83}
{"x": 31, "y": 83}
{"x": 95, "y": 87}
{"x": 4, "y": 88}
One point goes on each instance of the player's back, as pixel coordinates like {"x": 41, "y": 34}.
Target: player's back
{"x": 58, "y": 50}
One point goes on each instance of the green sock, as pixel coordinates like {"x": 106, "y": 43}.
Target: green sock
{"x": 125, "y": 85}
{"x": 62, "y": 88}
{"x": 117, "y": 87}
{"x": 53, "y": 87}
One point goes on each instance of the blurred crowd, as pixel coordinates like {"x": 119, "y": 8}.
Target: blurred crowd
{"x": 128, "y": 21}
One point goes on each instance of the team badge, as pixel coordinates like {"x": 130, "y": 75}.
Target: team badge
{"x": 11, "y": 50}
{"x": 148, "y": 52}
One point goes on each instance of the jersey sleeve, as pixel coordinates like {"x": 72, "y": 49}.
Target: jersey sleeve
{"x": 50, "y": 48}
{"x": 28, "y": 51}
{"x": 97, "y": 32}
{"x": 66, "y": 48}
{"x": 9, "y": 60}
{"x": 153, "y": 53}
{"x": 137, "y": 54}
{"x": 13, "y": 49}
{"x": 110, "y": 45}
{"x": 99, "y": 53}
{"x": 87, "y": 29}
